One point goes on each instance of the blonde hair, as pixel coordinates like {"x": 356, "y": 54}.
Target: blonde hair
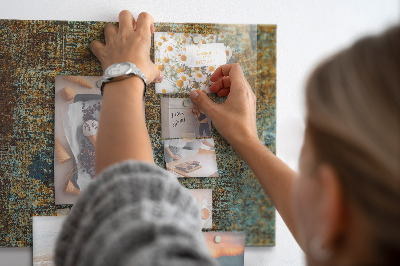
{"x": 353, "y": 120}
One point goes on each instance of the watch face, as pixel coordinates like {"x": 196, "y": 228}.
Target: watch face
{"x": 118, "y": 69}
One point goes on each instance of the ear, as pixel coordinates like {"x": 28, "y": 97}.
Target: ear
{"x": 332, "y": 208}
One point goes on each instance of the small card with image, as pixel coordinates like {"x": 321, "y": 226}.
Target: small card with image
{"x": 204, "y": 199}
{"x": 226, "y": 247}
{"x": 191, "y": 157}
{"x": 188, "y": 60}
{"x": 180, "y": 118}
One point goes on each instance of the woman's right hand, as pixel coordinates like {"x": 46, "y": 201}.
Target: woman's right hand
{"x": 129, "y": 43}
{"x": 235, "y": 119}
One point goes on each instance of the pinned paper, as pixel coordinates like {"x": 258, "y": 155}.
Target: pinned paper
{"x": 204, "y": 200}
{"x": 180, "y": 118}
{"x": 191, "y": 158}
{"x": 187, "y": 60}
{"x": 226, "y": 247}
{"x": 205, "y": 55}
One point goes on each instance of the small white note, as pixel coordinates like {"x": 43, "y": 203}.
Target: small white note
{"x": 211, "y": 54}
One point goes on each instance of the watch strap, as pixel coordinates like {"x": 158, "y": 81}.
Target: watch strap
{"x": 134, "y": 71}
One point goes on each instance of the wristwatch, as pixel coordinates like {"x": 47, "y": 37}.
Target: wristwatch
{"x": 121, "y": 71}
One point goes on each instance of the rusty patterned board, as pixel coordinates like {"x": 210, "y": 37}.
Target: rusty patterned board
{"x": 32, "y": 53}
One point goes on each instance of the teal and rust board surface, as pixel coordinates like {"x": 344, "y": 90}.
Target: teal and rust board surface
{"x": 32, "y": 53}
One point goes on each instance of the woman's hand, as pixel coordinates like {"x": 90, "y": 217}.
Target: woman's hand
{"x": 235, "y": 119}
{"x": 176, "y": 157}
{"x": 129, "y": 43}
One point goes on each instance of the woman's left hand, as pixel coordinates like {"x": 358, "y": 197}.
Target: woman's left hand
{"x": 129, "y": 43}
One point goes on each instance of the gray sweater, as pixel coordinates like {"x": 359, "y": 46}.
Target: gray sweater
{"x": 134, "y": 213}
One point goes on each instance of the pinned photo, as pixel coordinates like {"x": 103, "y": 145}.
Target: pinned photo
{"x": 77, "y": 114}
{"x": 226, "y": 247}
{"x": 45, "y": 230}
{"x": 188, "y": 60}
{"x": 191, "y": 158}
{"x": 204, "y": 199}
{"x": 180, "y": 118}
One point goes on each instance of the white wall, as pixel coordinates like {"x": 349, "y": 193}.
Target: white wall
{"x": 307, "y": 32}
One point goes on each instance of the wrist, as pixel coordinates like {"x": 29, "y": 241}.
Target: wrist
{"x": 133, "y": 85}
{"x": 244, "y": 141}
{"x": 121, "y": 71}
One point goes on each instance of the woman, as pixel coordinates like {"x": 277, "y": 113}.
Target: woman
{"x": 176, "y": 148}
{"x": 343, "y": 208}
{"x": 201, "y": 117}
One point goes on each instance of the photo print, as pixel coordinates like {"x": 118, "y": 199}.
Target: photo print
{"x": 226, "y": 247}
{"x": 188, "y": 60}
{"x": 204, "y": 199}
{"x": 77, "y": 113}
{"x": 45, "y": 230}
{"x": 180, "y": 118}
{"x": 77, "y": 101}
{"x": 191, "y": 157}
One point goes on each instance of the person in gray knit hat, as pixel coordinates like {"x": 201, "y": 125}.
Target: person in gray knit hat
{"x": 343, "y": 208}
{"x": 134, "y": 212}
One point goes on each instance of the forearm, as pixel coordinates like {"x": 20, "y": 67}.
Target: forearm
{"x": 275, "y": 177}
{"x": 169, "y": 151}
{"x": 122, "y": 131}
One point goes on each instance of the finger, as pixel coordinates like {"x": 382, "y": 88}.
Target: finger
{"x": 97, "y": 48}
{"x": 223, "y": 92}
{"x": 144, "y": 23}
{"x": 203, "y": 102}
{"x": 126, "y": 22}
{"x": 110, "y": 31}
{"x": 225, "y": 82}
{"x": 158, "y": 75}
{"x": 232, "y": 70}
{"x": 159, "y": 78}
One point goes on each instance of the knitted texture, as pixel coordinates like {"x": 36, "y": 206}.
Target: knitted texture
{"x": 134, "y": 213}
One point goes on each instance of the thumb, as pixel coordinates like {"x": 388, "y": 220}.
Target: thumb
{"x": 203, "y": 101}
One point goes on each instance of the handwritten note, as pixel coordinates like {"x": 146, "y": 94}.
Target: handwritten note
{"x": 181, "y": 121}
{"x": 205, "y": 55}
{"x": 177, "y": 118}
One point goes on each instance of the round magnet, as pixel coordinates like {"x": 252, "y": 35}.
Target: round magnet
{"x": 196, "y": 39}
{"x": 187, "y": 102}
{"x": 217, "y": 239}
{"x": 98, "y": 83}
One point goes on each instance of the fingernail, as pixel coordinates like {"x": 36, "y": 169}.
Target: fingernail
{"x": 160, "y": 77}
{"x": 194, "y": 94}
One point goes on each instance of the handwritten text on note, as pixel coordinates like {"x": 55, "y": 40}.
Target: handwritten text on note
{"x": 211, "y": 54}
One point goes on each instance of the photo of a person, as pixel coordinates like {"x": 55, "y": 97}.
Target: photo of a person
{"x": 190, "y": 158}
{"x": 182, "y": 119}
{"x": 202, "y": 121}
{"x": 173, "y": 152}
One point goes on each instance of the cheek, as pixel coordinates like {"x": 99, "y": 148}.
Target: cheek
{"x": 304, "y": 202}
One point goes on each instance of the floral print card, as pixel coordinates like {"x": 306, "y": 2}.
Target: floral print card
{"x": 188, "y": 60}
